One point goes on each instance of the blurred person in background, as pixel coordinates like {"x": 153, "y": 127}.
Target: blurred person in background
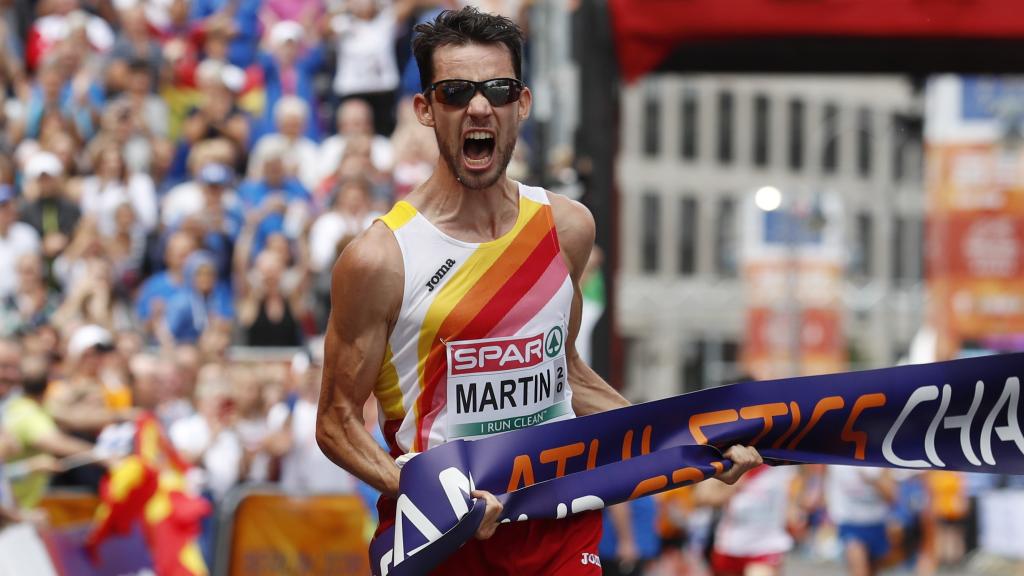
{"x": 209, "y": 441}
{"x": 10, "y": 369}
{"x": 415, "y": 157}
{"x": 356, "y": 162}
{"x": 126, "y": 248}
{"x": 751, "y": 537}
{"x": 259, "y": 461}
{"x": 269, "y": 312}
{"x": 41, "y": 440}
{"x": 350, "y": 213}
{"x": 217, "y": 114}
{"x": 187, "y": 197}
{"x": 59, "y": 21}
{"x": 204, "y": 304}
{"x": 238, "y": 18}
{"x": 354, "y": 119}
{"x": 86, "y": 274}
{"x": 113, "y": 185}
{"x": 17, "y": 239}
{"x": 91, "y": 393}
{"x": 629, "y": 542}
{"x": 32, "y": 303}
{"x": 289, "y": 69}
{"x": 304, "y": 468}
{"x": 269, "y": 176}
{"x": 158, "y": 289}
{"x": 291, "y": 115}
{"x": 133, "y": 44}
{"x": 366, "y": 67}
{"x": 52, "y": 215}
{"x": 859, "y": 500}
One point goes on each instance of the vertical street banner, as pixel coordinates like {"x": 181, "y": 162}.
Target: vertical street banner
{"x": 793, "y": 273}
{"x": 975, "y": 187}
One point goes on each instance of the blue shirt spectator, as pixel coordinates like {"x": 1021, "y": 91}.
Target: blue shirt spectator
{"x": 204, "y": 300}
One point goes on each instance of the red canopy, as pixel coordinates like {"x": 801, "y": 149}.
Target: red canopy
{"x": 646, "y": 31}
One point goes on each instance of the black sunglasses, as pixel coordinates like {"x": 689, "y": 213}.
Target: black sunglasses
{"x": 498, "y": 91}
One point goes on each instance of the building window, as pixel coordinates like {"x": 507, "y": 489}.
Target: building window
{"x": 862, "y": 264}
{"x": 650, "y": 226}
{"x": 762, "y": 128}
{"x": 906, "y": 146}
{"x": 652, "y": 125}
{"x": 726, "y": 239}
{"x": 830, "y": 146}
{"x": 687, "y": 236}
{"x": 691, "y": 128}
{"x": 725, "y": 127}
{"x": 865, "y": 142}
{"x": 907, "y": 250}
{"x": 796, "y": 134}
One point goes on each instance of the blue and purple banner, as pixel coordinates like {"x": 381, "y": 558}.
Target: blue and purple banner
{"x": 957, "y": 415}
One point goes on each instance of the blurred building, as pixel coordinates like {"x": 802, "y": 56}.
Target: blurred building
{"x": 695, "y": 147}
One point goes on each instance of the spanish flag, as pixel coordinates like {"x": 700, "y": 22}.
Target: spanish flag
{"x": 149, "y": 486}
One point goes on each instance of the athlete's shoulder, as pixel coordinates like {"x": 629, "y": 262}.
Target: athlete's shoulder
{"x": 576, "y": 228}
{"x": 372, "y": 261}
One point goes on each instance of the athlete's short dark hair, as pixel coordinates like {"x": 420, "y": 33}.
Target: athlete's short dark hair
{"x": 462, "y": 27}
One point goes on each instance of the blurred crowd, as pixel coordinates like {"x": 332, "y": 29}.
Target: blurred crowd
{"x": 868, "y": 520}
{"x": 177, "y": 178}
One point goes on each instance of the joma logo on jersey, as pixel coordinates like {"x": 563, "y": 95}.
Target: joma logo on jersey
{"x": 432, "y": 283}
{"x": 497, "y": 355}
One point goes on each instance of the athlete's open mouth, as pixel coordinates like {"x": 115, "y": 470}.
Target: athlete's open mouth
{"x": 478, "y": 148}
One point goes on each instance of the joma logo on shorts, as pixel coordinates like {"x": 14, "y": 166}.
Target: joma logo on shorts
{"x": 432, "y": 283}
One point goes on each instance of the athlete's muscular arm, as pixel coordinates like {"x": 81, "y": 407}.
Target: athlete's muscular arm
{"x": 366, "y": 294}
{"x": 590, "y": 393}
{"x": 575, "y": 225}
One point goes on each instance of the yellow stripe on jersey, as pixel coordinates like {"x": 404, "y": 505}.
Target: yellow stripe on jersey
{"x": 387, "y": 390}
{"x": 399, "y": 215}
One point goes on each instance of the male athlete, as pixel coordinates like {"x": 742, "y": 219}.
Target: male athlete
{"x": 470, "y": 281}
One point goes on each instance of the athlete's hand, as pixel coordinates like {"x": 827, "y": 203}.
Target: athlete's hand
{"x": 744, "y": 459}
{"x": 490, "y": 522}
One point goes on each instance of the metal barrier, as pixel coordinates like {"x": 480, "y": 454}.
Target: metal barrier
{"x": 261, "y": 531}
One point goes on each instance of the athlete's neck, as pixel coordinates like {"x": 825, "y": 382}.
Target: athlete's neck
{"x": 472, "y": 215}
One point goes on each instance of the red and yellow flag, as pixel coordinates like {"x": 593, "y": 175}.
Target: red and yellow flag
{"x": 149, "y": 486}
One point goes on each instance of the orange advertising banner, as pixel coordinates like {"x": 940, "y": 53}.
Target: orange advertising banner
{"x": 275, "y": 534}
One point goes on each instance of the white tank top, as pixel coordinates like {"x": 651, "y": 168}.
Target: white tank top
{"x": 479, "y": 344}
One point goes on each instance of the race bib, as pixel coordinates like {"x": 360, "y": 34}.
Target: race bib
{"x": 501, "y": 384}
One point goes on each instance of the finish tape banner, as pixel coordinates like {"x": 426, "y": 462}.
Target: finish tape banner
{"x": 956, "y": 415}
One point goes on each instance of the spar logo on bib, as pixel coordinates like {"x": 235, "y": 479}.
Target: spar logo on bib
{"x": 553, "y": 342}
{"x": 498, "y": 355}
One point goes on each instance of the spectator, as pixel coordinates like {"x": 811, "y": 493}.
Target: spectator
{"x": 291, "y": 115}
{"x": 17, "y": 239}
{"x": 188, "y": 198}
{"x": 65, "y": 19}
{"x": 349, "y": 214}
{"x": 367, "y": 67}
{"x": 289, "y": 70}
{"x": 114, "y": 185}
{"x": 268, "y": 176}
{"x": 258, "y": 462}
{"x": 126, "y": 249}
{"x": 355, "y": 118}
{"x": 204, "y": 303}
{"x": 209, "y": 441}
{"x": 10, "y": 369}
{"x": 133, "y": 46}
{"x": 270, "y": 312}
{"x": 237, "y": 19}
{"x": 217, "y": 114}
{"x": 304, "y": 468}
{"x": 32, "y": 303}
{"x": 50, "y": 213}
{"x": 38, "y": 434}
{"x": 160, "y": 288}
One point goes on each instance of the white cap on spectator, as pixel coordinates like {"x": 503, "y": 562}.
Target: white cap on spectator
{"x": 285, "y": 31}
{"x": 210, "y": 70}
{"x": 88, "y": 337}
{"x": 43, "y": 163}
